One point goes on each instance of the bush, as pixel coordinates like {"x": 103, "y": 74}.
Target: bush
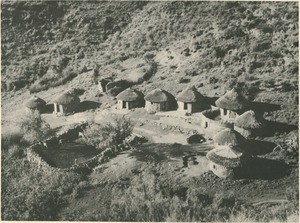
{"x": 110, "y": 133}
{"x": 34, "y": 128}
{"x": 41, "y": 195}
{"x": 10, "y": 139}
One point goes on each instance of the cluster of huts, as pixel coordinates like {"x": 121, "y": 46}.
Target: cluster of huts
{"x": 65, "y": 103}
{"x": 229, "y": 116}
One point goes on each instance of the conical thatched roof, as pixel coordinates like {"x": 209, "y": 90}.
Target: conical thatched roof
{"x": 67, "y": 98}
{"x": 130, "y": 95}
{"x": 225, "y": 156}
{"x": 248, "y": 120}
{"x": 232, "y": 100}
{"x": 190, "y": 94}
{"x": 35, "y": 102}
{"x": 229, "y": 137}
{"x": 157, "y": 96}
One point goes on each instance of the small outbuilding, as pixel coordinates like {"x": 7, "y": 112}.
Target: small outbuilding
{"x": 130, "y": 98}
{"x": 190, "y": 100}
{"x": 157, "y": 100}
{"x": 248, "y": 124}
{"x": 224, "y": 160}
{"x": 35, "y": 104}
{"x": 103, "y": 83}
{"x": 231, "y": 105}
{"x": 66, "y": 103}
{"x": 228, "y": 137}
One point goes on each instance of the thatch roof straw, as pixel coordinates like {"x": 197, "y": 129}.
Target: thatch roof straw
{"x": 158, "y": 96}
{"x": 232, "y": 100}
{"x": 229, "y": 137}
{"x": 225, "y": 156}
{"x": 130, "y": 95}
{"x": 190, "y": 94}
{"x": 249, "y": 120}
{"x": 67, "y": 98}
{"x": 35, "y": 103}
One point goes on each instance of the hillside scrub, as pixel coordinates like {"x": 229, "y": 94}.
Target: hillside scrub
{"x": 34, "y": 128}
{"x": 157, "y": 195}
{"x": 111, "y": 132}
{"x": 241, "y": 38}
{"x": 41, "y": 195}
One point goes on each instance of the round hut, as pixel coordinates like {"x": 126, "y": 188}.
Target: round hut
{"x": 231, "y": 105}
{"x": 228, "y": 137}
{"x": 190, "y": 100}
{"x": 224, "y": 160}
{"x": 66, "y": 103}
{"x": 248, "y": 124}
{"x": 157, "y": 100}
{"x": 130, "y": 98}
{"x": 35, "y": 104}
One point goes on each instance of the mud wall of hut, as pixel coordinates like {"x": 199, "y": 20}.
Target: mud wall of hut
{"x": 156, "y": 107}
{"x": 219, "y": 170}
{"x": 212, "y": 125}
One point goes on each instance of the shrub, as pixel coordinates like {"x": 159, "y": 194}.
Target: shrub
{"x": 10, "y": 139}
{"x": 34, "y": 128}
{"x": 110, "y": 133}
{"x": 15, "y": 152}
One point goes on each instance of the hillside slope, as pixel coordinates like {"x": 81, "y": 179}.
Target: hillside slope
{"x": 214, "y": 45}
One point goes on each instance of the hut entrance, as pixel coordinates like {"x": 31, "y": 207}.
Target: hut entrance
{"x": 206, "y": 124}
{"x": 225, "y": 111}
{"x": 123, "y": 104}
{"x": 185, "y": 106}
{"x": 57, "y": 108}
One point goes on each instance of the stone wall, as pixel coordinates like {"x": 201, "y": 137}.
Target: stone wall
{"x": 34, "y": 156}
{"x": 34, "y": 151}
{"x": 174, "y": 128}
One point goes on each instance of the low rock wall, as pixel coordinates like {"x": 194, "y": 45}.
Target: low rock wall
{"x": 173, "y": 128}
{"x": 34, "y": 153}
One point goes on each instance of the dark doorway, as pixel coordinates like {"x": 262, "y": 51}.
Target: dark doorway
{"x": 123, "y": 104}
{"x": 185, "y": 106}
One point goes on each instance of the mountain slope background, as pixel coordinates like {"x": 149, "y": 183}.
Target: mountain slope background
{"x": 214, "y": 45}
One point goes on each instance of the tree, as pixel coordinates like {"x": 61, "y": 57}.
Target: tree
{"x": 112, "y": 132}
{"x": 34, "y": 128}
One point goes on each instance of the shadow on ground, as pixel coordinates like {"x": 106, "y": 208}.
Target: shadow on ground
{"x": 255, "y": 147}
{"x": 64, "y": 156}
{"x": 261, "y": 107}
{"x": 87, "y": 105}
{"x": 49, "y": 109}
{"x": 278, "y": 127}
{"x": 261, "y": 168}
{"x": 157, "y": 152}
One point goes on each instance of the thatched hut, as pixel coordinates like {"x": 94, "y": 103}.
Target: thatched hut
{"x": 35, "y": 104}
{"x": 228, "y": 137}
{"x": 224, "y": 160}
{"x": 190, "y": 100}
{"x": 231, "y": 105}
{"x": 157, "y": 100}
{"x": 130, "y": 98}
{"x": 248, "y": 124}
{"x": 66, "y": 103}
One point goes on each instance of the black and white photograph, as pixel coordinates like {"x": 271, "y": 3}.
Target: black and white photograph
{"x": 149, "y": 111}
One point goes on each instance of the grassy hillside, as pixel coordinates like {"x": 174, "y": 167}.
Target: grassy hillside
{"x": 214, "y": 45}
